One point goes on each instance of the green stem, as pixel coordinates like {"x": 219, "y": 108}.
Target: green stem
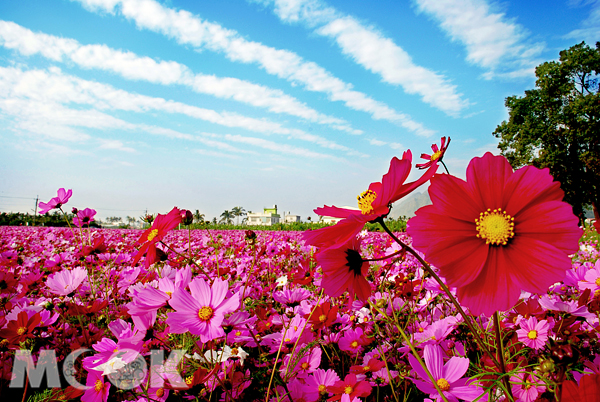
{"x": 430, "y": 270}
{"x": 500, "y": 351}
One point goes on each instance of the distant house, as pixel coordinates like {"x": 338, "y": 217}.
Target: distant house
{"x": 289, "y": 218}
{"x": 268, "y": 217}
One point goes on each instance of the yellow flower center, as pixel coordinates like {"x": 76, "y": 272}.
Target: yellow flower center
{"x": 365, "y": 200}
{"x": 234, "y": 351}
{"x": 354, "y": 344}
{"x": 238, "y": 333}
{"x": 496, "y": 227}
{"x": 21, "y": 330}
{"x": 322, "y": 317}
{"x": 322, "y": 388}
{"x": 348, "y": 389}
{"x": 98, "y": 386}
{"x": 152, "y": 234}
{"x": 436, "y": 155}
{"x": 169, "y": 294}
{"x": 305, "y": 365}
{"x": 366, "y": 368}
{"x": 189, "y": 379}
{"x": 205, "y": 313}
{"x": 598, "y": 281}
{"x": 443, "y": 384}
{"x": 160, "y": 392}
{"x": 532, "y": 334}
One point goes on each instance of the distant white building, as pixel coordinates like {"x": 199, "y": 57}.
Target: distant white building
{"x": 268, "y": 217}
{"x": 289, "y": 218}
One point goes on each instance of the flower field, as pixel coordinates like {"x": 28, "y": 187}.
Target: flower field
{"x": 508, "y": 311}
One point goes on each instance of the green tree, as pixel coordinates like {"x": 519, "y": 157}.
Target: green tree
{"x": 237, "y": 212}
{"x": 227, "y": 217}
{"x": 198, "y": 217}
{"x": 557, "y": 125}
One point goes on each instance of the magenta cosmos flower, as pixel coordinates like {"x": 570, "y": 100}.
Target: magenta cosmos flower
{"x": 56, "y": 202}
{"x": 532, "y": 333}
{"x": 159, "y": 229}
{"x": 202, "y": 312}
{"x": 373, "y": 203}
{"x": 436, "y": 156}
{"x": 496, "y": 234}
{"x": 446, "y": 376}
{"x": 84, "y": 217}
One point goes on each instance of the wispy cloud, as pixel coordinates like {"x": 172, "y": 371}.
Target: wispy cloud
{"x": 590, "y": 27}
{"x": 394, "y": 145}
{"x": 134, "y": 67}
{"x": 189, "y": 29}
{"x": 492, "y": 40}
{"x": 372, "y": 50}
{"x": 43, "y": 116}
{"x": 55, "y": 87}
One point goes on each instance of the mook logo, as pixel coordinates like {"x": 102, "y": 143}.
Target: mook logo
{"x": 126, "y": 369}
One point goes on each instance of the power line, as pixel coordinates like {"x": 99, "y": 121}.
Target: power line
{"x": 22, "y": 198}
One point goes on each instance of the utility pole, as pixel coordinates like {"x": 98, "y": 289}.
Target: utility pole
{"x": 37, "y": 197}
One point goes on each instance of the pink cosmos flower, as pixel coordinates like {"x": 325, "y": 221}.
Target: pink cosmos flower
{"x": 317, "y": 383}
{"x": 353, "y": 340}
{"x": 98, "y": 389}
{"x": 56, "y": 202}
{"x": 496, "y": 234}
{"x": 532, "y": 333}
{"x": 447, "y": 376}
{"x": 84, "y": 217}
{"x": 524, "y": 388}
{"x": 202, "y": 312}
{"x": 373, "y": 203}
{"x": 64, "y": 282}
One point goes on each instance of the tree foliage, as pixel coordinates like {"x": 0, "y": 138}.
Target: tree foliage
{"x": 556, "y": 125}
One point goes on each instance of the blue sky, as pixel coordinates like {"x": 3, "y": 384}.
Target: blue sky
{"x": 150, "y": 104}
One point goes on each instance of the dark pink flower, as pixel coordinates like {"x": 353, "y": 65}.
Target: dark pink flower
{"x": 160, "y": 227}
{"x": 437, "y": 156}
{"x": 373, "y": 203}
{"x": 496, "y": 234}
{"x": 344, "y": 269}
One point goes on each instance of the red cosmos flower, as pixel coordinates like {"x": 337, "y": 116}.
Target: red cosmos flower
{"x": 496, "y": 234}
{"x": 324, "y": 315}
{"x": 160, "y": 227}
{"x": 438, "y": 154}
{"x": 373, "y": 203}
{"x": 351, "y": 387}
{"x": 588, "y": 389}
{"x": 18, "y": 330}
{"x": 344, "y": 269}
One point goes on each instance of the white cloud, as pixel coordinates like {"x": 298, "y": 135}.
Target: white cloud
{"x": 382, "y": 56}
{"x": 55, "y": 87}
{"x": 275, "y": 147}
{"x": 492, "y": 40}
{"x": 189, "y": 29}
{"x": 372, "y": 50}
{"x": 115, "y": 145}
{"x": 590, "y": 27}
{"x": 134, "y": 67}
